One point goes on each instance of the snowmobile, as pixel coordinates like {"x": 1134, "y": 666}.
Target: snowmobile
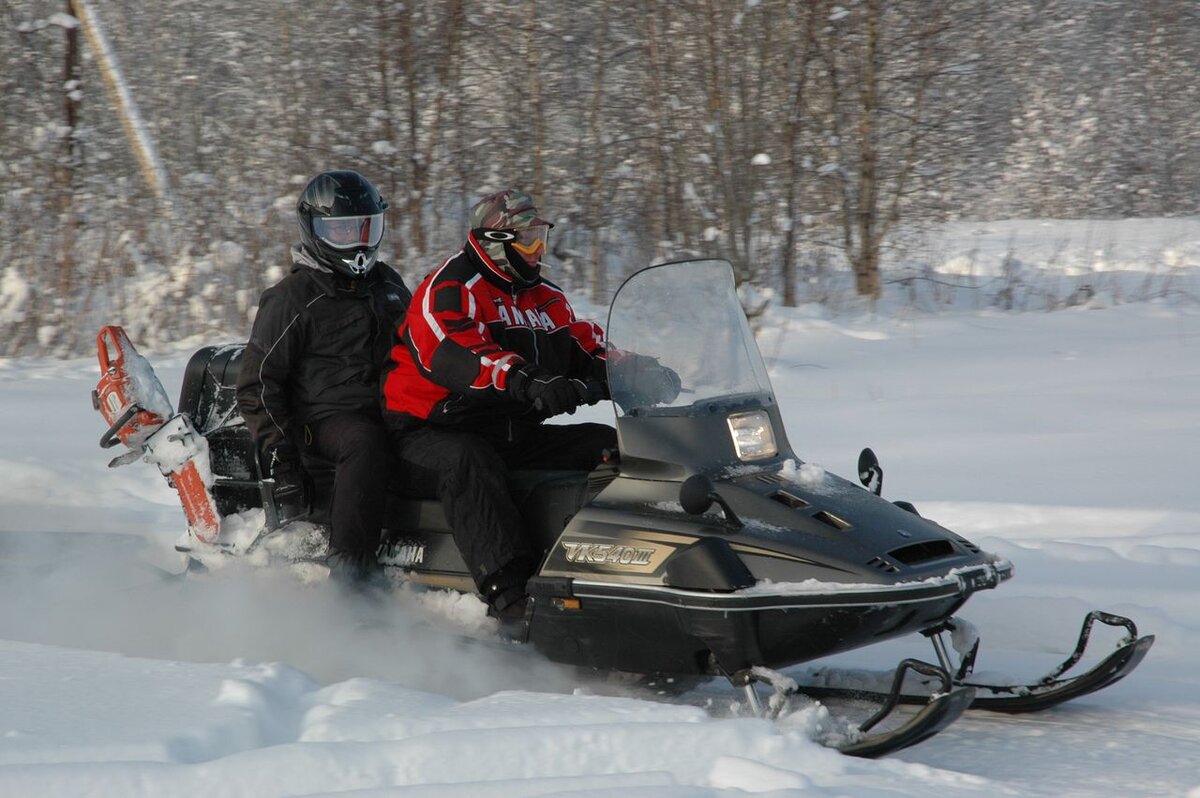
{"x": 707, "y": 547}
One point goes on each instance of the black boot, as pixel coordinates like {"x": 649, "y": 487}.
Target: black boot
{"x": 357, "y": 572}
{"x": 505, "y": 593}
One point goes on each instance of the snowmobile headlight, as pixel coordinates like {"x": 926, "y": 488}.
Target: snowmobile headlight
{"x": 753, "y": 438}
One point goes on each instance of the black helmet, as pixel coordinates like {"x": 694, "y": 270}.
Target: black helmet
{"x": 341, "y": 221}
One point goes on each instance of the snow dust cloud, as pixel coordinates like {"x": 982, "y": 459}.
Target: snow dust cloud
{"x": 110, "y": 593}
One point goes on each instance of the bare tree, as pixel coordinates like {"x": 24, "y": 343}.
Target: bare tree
{"x": 72, "y": 152}
{"x": 595, "y": 147}
{"x": 798, "y": 64}
{"x": 427, "y": 77}
{"x": 882, "y": 58}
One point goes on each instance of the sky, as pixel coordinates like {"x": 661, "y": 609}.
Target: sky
{"x": 1063, "y": 441}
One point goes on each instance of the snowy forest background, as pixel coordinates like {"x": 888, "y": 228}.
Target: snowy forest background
{"x": 820, "y": 146}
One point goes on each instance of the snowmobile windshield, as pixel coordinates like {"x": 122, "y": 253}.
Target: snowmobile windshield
{"x": 679, "y": 340}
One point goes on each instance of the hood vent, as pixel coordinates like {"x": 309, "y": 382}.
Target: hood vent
{"x": 925, "y": 551}
{"x": 829, "y": 519}
{"x": 788, "y": 500}
{"x": 881, "y": 564}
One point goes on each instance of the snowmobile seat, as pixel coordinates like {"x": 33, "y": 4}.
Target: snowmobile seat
{"x": 208, "y": 397}
{"x": 547, "y": 499}
{"x": 208, "y": 394}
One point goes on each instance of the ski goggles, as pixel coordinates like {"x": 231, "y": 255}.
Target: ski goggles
{"x": 531, "y": 240}
{"x": 348, "y": 232}
{"x": 527, "y": 240}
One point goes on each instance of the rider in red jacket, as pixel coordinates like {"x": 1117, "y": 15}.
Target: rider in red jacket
{"x": 489, "y": 350}
{"x": 473, "y": 327}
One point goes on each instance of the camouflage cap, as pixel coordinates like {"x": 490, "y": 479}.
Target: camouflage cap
{"x": 509, "y": 209}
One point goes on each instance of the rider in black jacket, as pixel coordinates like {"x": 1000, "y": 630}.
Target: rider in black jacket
{"x": 310, "y": 374}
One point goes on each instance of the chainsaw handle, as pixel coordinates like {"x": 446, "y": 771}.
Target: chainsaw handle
{"x": 109, "y": 439}
{"x": 110, "y": 335}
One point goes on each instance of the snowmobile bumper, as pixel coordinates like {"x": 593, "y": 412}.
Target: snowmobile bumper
{"x": 653, "y": 628}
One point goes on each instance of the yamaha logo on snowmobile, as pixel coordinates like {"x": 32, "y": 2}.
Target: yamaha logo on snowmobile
{"x": 405, "y": 554}
{"x": 608, "y": 554}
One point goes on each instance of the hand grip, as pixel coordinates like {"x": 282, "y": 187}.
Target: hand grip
{"x": 109, "y": 439}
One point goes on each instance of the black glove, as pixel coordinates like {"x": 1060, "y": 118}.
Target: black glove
{"x": 282, "y": 462}
{"x": 292, "y": 490}
{"x": 662, "y": 384}
{"x": 596, "y": 391}
{"x": 642, "y": 381}
{"x": 655, "y": 383}
{"x": 549, "y": 393}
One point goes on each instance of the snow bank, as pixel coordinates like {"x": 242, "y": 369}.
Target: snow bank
{"x": 269, "y": 730}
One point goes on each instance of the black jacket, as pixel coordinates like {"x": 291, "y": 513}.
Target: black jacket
{"x": 318, "y": 345}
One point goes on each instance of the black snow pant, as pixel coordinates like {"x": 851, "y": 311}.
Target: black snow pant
{"x": 467, "y": 471}
{"x": 359, "y": 447}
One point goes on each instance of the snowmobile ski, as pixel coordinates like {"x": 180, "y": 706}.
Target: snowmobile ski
{"x": 1047, "y": 692}
{"x": 937, "y": 714}
{"x": 1036, "y": 697}
{"x": 942, "y": 707}
{"x": 1051, "y": 689}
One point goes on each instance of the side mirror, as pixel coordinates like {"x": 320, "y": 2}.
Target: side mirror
{"x": 870, "y": 473}
{"x": 697, "y": 494}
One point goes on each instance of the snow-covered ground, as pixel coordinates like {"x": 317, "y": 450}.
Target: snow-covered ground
{"x": 1064, "y": 441}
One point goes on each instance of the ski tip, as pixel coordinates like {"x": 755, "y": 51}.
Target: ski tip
{"x": 933, "y": 718}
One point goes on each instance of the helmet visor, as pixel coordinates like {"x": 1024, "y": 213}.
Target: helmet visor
{"x": 349, "y": 232}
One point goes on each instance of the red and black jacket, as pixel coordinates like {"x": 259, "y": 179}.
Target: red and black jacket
{"x": 468, "y": 326}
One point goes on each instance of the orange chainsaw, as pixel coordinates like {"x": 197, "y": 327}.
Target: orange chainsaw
{"x": 140, "y": 416}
